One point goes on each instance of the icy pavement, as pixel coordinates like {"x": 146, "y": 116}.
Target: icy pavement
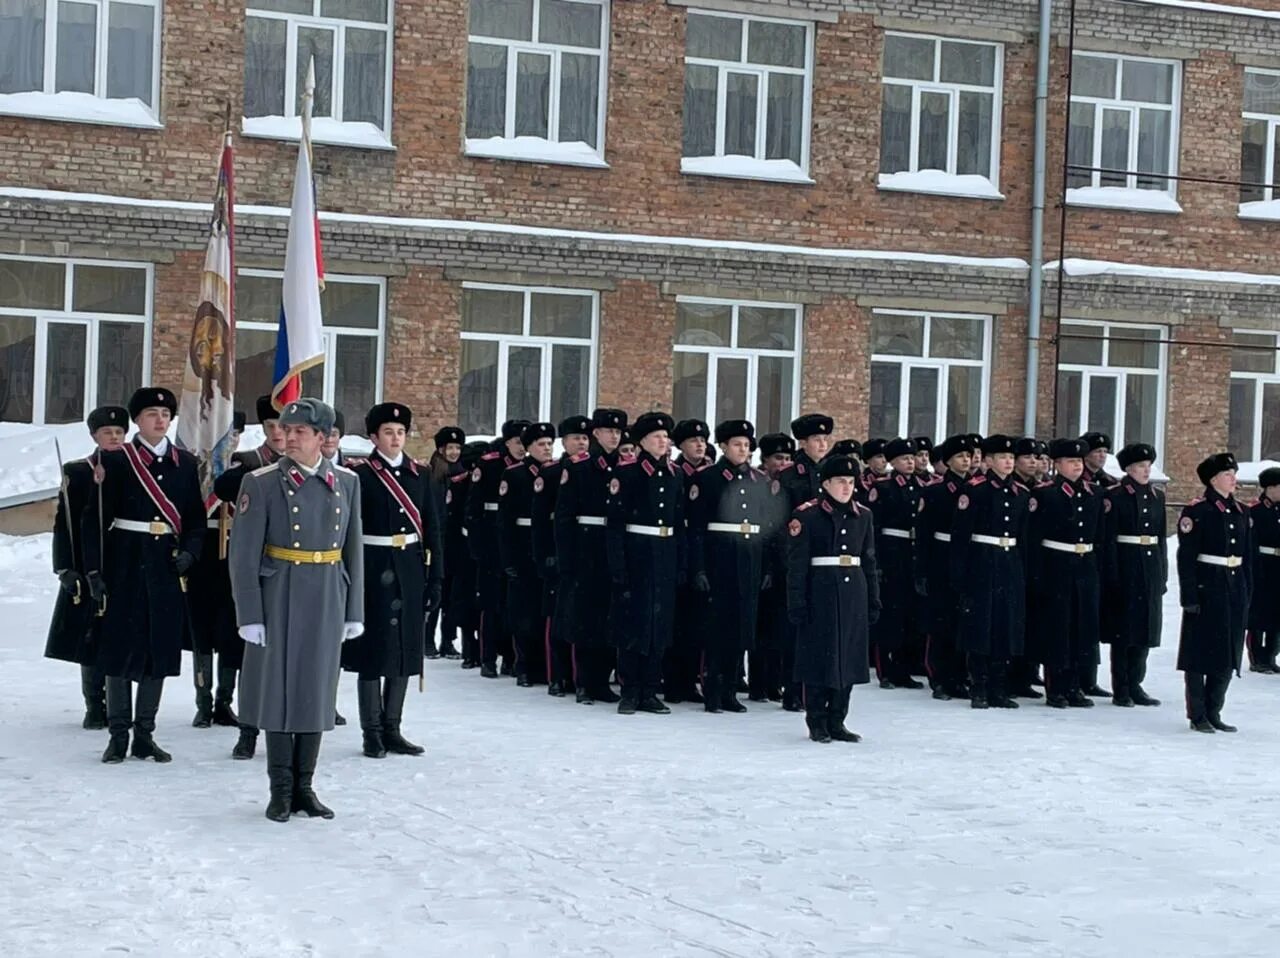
{"x": 537, "y": 827}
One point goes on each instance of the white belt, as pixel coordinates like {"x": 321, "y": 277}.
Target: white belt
{"x": 590, "y": 520}
{"x": 1227, "y": 562}
{"x": 1004, "y": 542}
{"x": 843, "y": 561}
{"x": 524, "y": 521}
{"x": 398, "y": 541}
{"x": 150, "y": 528}
{"x": 740, "y": 528}
{"x": 662, "y": 532}
{"x": 942, "y": 536}
{"x": 1079, "y": 548}
{"x": 490, "y": 507}
{"x": 1138, "y": 540}
{"x": 900, "y": 533}
{"x": 1268, "y": 550}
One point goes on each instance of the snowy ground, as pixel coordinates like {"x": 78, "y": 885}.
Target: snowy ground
{"x": 537, "y": 827}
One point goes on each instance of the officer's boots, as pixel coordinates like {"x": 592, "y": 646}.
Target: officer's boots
{"x": 392, "y": 710}
{"x": 978, "y": 693}
{"x": 223, "y": 714}
{"x": 246, "y": 744}
{"x": 95, "y": 698}
{"x": 369, "y": 694}
{"x": 280, "y": 775}
{"x": 204, "y": 692}
{"x": 306, "y": 749}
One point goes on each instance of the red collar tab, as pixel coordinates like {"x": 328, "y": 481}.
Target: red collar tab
{"x": 267, "y": 454}
{"x": 827, "y": 506}
{"x": 728, "y": 475}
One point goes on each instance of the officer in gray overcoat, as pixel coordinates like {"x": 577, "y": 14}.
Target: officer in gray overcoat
{"x": 297, "y": 575}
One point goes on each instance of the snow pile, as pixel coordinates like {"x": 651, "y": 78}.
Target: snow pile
{"x": 1123, "y": 198}
{"x": 80, "y": 108}
{"x": 324, "y": 130}
{"x": 1102, "y": 267}
{"x": 744, "y": 168}
{"x": 535, "y": 149}
{"x": 940, "y": 183}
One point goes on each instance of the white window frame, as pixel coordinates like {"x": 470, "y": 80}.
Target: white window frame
{"x": 941, "y": 364}
{"x": 769, "y": 169}
{"x": 553, "y": 150}
{"x": 751, "y": 354}
{"x": 69, "y": 316}
{"x": 1259, "y": 380}
{"x": 46, "y": 103}
{"x": 1120, "y": 373}
{"x": 1133, "y": 107}
{"x": 952, "y": 91}
{"x": 330, "y": 333}
{"x": 333, "y": 129}
{"x": 506, "y": 341}
{"x": 1272, "y": 120}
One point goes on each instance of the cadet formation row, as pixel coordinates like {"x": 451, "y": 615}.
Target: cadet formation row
{"x": 617, "y": 560}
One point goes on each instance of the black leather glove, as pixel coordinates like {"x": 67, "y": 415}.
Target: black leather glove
{"x": 767, "y": 582}
{"x": 1191, "y": 609}
{"x": 182, "y": 562}
{"x": 922, "y": 587}
{"x": 510, "y": 572}
{"x": 431, "y": 600}
{"x": 701, "y": 583}
{"x": 69, "y": 579}
{"x": 873, "y": 615}
{"x": 97, "y": 588}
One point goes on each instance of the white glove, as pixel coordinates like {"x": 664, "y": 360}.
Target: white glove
{"x": 254, "y": 634}
{"x": 351, "y": 630}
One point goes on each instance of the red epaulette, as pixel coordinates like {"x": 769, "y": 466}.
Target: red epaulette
{"x": 671, "y": 467}
{"x": 688, "y": 469}
{"x": 884, "y": 478}
{"x": 806, "y": 505}
{"x": 492, "y": 454}
{"x": 1046, "y": 484}
{"x": 352, "y": 461}
{"x": 626, "y": 460}
{"x": 460, "y": 477}
{"x": 787, "y": 466}
{"x": 580, "y": 457}
{"x": 858, "y": 507}
{"x": 728, "y": 475}
{"x": 1195, "y": 502}
{"x": 977, "y": 480}
{"x": 902, "y": 480}
{"x": 514, "y": 465}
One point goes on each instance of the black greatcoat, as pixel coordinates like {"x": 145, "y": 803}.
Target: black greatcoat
{"x": 545, "y": 494}
{"x": 457, "y": 555}
{"x": 1134, "y": 577}
{"x": 1264, "y": 608}
{"x": 990, "y": 579}
{"x": 71, "y": 631}
{"x": 580, "y": 549}
{"x": 1064, "y": 584}
{"x": 515, "y": 546}
{"x": 800, "y": 480}
{"x": 1213, "y": 638}
{"x": 772, "y": 628}
{"x": 935, "y": 510}
{"x": 894, "y": 501}
{"x": 146, "y": 621}
{"x": 644, "y": 568}
{"x": 832, "y": 642}
{"x": 396, "y": 580}
{"x": 692, "y": 607}
{"x": 482, "y": 524}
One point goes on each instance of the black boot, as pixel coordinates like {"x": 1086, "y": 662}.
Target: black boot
{"x": 584, "y": 697}
{"x": 1055, "y": 701}
{"x": 1140, "y": 697}
{"x": 392, "y": 710}
{"x": 223, "y": 714}
{"x": 522, "y": 681}
{"x": 1220, "y": 725}
{"x": 306, "y": 749}
{"x": 1202, "y": 725}
{"x": 712, "y": 697}
{"x": 144, "y": 746}
{"x": 246, "y": 745}
{"x": 369, "y": 694}
{"x": 280, "y": 775}
{"x": 92, "y": 687}
{"x": 204, "y": 691}
{"x": 1078, "y": 700}
{"x": 839, "y": 733}
{"x": 653, "y": 705}
{"x": 338, "y": 718}
{"x": 488, "y": 671}
{"x": 555, "y": 688}
{"x": 144, "y": 723}
{"x": 627, "y": 704}
{"x": 729, "y": 701}
{"x": 117, "y": 748}
{"x": 447, "y": 651}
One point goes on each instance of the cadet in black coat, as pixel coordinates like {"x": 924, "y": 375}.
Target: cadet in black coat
{"x": 1024, "y": 670}
{"x": 813, "y": 433}
{"x": 482, "y": 539}
{"x": 582, "y": 559}
{"x": 1215, "y": 584}
{"x": 894, "y": 501}
{"x": 1066, "y": 520}
{"x": 988, "y": 555}
{"x": 729, "y": 509}
{"x": 72, "y": 628}
{"x": 644, "y": 536}
{"x": 1135, "y": 573}
{"x": 769, "y": 666}
{"x": 1097, "y": 446}
{"x": 1264, "y": 609}
{"x": 141, "y": 537}
{"x": 445, "y": 463}
{"x": 463, "y": 613}
{"x": 515, "y": 549}
{"x": 404, "y": 567}
{"x": 682, "y": 665}
{"x": 833, "y": 597}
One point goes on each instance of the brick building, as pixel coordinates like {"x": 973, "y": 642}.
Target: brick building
{"x": 718, "y": 207}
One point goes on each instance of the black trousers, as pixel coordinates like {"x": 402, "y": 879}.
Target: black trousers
{"x": 495, "y": 639}
{"x": 825, "y": 708}
{"x": 202, "y": 679}
{"x": 93, "y": 686}
{"x": 1128, "y": 668}
{"x": 944, "y": 664}
{"x": 382, "y": 703}
{"x": 988, "y": 676}
{"x": 639, "y": 674}
{"x": 1262, "y": 646}
{"x": 1022, "y": 673}
{"x": 123, "y": 713}
{"x": 1206, "y": 694}
{"x": 559, "y": 657}
{"x": 592, "y": 665}
{"x": 764, "y": 673}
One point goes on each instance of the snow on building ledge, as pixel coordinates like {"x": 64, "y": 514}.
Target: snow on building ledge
{"x": 535, "y": 149}
{"x": 1099, "y": 267}
{"x": 940, "y": 183}
{"x": 80, "y": 108}
{"x": 744, "y": 168}
{"x": 1123, "y": 198}
{"x": 1260, "y": 210}
{"x": 324, "y": 130}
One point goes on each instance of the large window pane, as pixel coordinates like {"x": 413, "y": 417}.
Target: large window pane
{"x": 351, "y": 304}
{"x": 1093, "y": 76}
{"x": 570, "y": 381}
{"x": 371, "y": 11}
{"x": 1155, "y": 127}
{"x": 1253, "y": 353}
{"x": 886, "y": 386}
{"x": 29, "y": 284}
{"x": 703, "y": 324}
{"x": 776, "y": 44}
{"x": 315, "y": 44}
{"x": 65, "y": 366}
{"x": 1269, "y": 447}
{"x": 964, "y": 400}
{"x": 922, "y": 402}
{"x": 1080, "y": 345}
{"x": 313, "y": 381}
{"x": 21, "y": 47}
{"x": 893, "y": 335}
{"x": 120, "y": 355}
{"x": 572, "y": 24}
{"x": 731, "y": 389}
{"x": 478, "y": 388}
{"x": 554, "y": 314}
{"x": 895, "y": 129}
{"x": 766, "y": 327}
{"x": 533, "y": 94}
{"x": 579, "y": 98}
{"x": 76, "y": 65}
{"x": 264, "y": 66}
{"x": 716, "y": 38}
{"x": 690, "y": 379}
{"x": 700, "y": 91}
{"x": 257, "y": 300}
{"x": 1141, "y": 408}
{"x": 109, "y": 289}
{"x": 773, "y": 394}
{"x": 255, "y": 366}
{"x": 1070, "y": 388}
{"x": 355, "y": 374}
{"x": 1115, "y": 147}
{"x": 740, "y": 107}
{"x": 1253, "y": 160}
{"x": 784, "y": 123}
{"x": 509, "y": 19}
{"x": 486, "y": 90}
{"x": 365, "y": 76}
{"x": 1135, "y": 347}
{"x": 524, "y": 382}
{"x": 130, "y": 51}
{"x": 1240, "y": 419}
{"x": 492, "y": 311}
{"x": 283, "y": 6}
{"x": 909, "y": 58}
{"x": 951, "y": 337}
{"x": 1147, "y": 82}
{"x": 17, "y": 368}
{"x": 1102, "y": 405}
{"x": 1261, "y": 92}
{"x": 973, "y": 132}
{"x": 1080, "y": 147}
{"x": 973, "y": 64}
{"x": 935, "y": 119}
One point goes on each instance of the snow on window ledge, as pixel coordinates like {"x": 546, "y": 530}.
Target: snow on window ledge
{"x": 1260, "y": 210}
{"x": 968, "y": 185}
{"x": 1123, "y": 198}
{"x": 80, "y": 108}
{"x": 535, "y": 149}
{"x": 324, "y": 130}
{"x": 744, "y": 168}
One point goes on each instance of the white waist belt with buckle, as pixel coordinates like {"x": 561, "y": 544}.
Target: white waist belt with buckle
{"x": 147, "y": 528}
{"x": 524, "y": 521}
{"x": 590, "y": 520}
{"x": 1138, "y": 540}
{"x": 662, "y": 532}
{"x": 1227, "y": 562}
{"x": 1003, "y": 542}
{"x": 398, "y": 541}
{"x": 490, "y": 507}
{"x": 740, "y": 528}
{"x": 942, "y": 536}
{"x": 1079, "y": 548}
{"x": 1268, "y": 551}
{"x": 843, "y": 561}
{"x": 900, "y": 533}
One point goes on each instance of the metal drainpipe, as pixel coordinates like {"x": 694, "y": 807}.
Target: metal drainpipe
{"x": 1035, "y": 299}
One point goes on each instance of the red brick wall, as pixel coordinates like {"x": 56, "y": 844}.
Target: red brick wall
{"x": 637, "y": 329}
{"x": 837, "y": 364}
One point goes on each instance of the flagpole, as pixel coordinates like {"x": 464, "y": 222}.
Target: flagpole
{"x": 308, "y": 99}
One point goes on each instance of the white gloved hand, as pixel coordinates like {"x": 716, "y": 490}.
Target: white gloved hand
{"x": 254, "y": 634}
{"x": 351, "y": 630}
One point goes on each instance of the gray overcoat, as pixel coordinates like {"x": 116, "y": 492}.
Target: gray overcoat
{"x": 291, "y": 683}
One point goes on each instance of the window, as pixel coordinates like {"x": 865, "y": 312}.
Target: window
{"x": 1254, "y": 423}
{"x": 928, "y": 373}
{"x": 1124, "y": 119}
{"x": 62, "y": 58}
{"x": 73, "y": 336}
{"x": 526, "y": 354}
{"x": 536, "y": 80}
{"x": 350, "y": 41}
{"x": 940, "y": 115}
{"x": 747, "y": 85}
{"x": 353, "y": 310}
{"x": 1258, "y": 159}
{"x": 737, "y": 361}
{"x": 1111, "y": 379}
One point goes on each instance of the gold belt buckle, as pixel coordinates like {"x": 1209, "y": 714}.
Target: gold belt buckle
{"x": 846, "y": 561}
{"x": 397, "y": 540}
{"x": 745, "y": 528}
{"x": 1007, "y": 543}
{"x": 317, "y": 557}
{"x": 157, "y": 528}
{"x": 1082, "y": 549}
{"x": 1148, "y": 541}
{"x": 1234, "y": 561}
{"x": 664, "y": 532}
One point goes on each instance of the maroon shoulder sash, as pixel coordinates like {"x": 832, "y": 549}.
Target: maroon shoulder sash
{"x": 153, "y": 490}
{"x": 398, "y": 493}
